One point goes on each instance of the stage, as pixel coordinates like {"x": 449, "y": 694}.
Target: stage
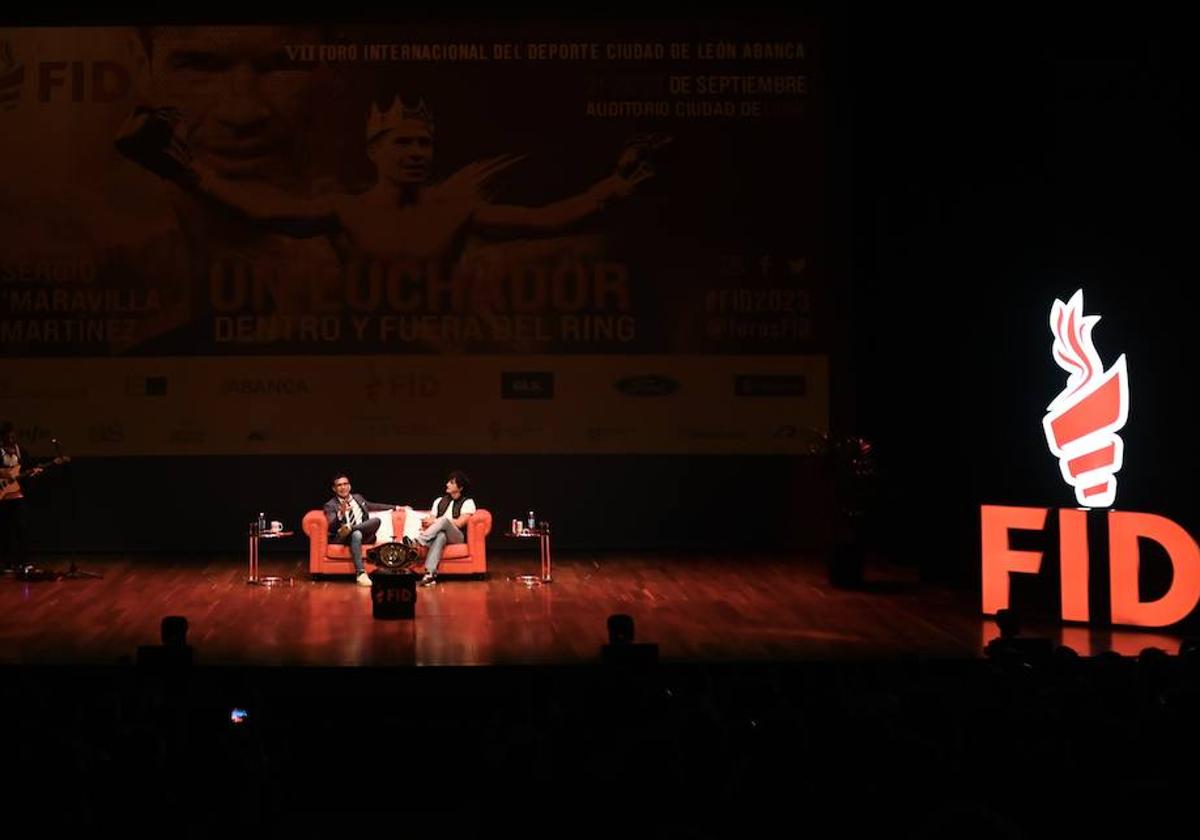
{"x": 868, "y": 711}
{"x": 698, "y": 608}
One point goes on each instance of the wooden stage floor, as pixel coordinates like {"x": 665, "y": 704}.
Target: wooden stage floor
{"x": 697, "y": 608}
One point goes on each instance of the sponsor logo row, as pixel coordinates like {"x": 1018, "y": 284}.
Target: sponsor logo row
{"x": 534, "y": 385}
{"x": 513, "y": 385}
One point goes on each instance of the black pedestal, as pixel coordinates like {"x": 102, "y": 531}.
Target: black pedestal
{"x": 393, "y": 594}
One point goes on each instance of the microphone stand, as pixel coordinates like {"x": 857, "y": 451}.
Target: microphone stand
{"x": 31, "y": 572}
{"x": 74, "y": 572}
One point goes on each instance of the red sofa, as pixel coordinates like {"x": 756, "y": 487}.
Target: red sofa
{"x": 325, "y": 558}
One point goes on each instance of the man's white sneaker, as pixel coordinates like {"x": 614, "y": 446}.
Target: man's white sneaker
{"x": 363, "y": 579}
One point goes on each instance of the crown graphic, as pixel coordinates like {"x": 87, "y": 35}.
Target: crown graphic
{"x": 379, "y": 122}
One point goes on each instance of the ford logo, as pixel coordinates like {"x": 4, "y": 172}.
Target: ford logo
{"x": 647, "y": 385}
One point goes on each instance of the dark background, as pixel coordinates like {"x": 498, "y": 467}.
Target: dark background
{"x": 980, "y": 165}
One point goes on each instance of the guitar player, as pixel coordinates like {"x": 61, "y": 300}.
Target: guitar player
{"x": 13, "y": 466}
{"x": 12, "y": 504}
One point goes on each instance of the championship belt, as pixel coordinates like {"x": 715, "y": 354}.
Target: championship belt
{"x": 396, "y": 556}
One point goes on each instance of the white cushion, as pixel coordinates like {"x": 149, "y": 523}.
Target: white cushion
{"x": 384, "y": 534}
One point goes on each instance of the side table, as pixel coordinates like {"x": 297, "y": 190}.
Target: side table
{"x": 543, "y": 537}
{"x": 270, "y": 580}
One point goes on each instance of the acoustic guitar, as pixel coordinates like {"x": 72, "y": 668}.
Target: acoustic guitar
{"x": 10, "y": 487}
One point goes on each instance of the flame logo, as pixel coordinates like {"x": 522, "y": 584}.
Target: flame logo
{"x": 12, "y": 75}
{"x": 1081, "y": 423}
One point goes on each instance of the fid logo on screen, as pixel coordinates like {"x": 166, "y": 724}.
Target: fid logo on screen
{"x": 238, "y": 716}
{"x": 12, "y": 77}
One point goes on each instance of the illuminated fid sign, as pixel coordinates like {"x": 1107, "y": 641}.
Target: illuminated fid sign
{"x": 1081, "y": 426}
{"x": 1081, "y": 423}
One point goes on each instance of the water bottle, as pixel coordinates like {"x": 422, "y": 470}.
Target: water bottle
{"x": 262, "y": 523}
{"x": 531, "y": 522}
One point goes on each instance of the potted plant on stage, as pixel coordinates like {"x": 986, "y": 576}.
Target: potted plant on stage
{"x": 848, "y": 463}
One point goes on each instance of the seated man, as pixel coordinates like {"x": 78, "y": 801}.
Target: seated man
{"x": 350, "y": 524}
{"x": 446, "y": 523}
